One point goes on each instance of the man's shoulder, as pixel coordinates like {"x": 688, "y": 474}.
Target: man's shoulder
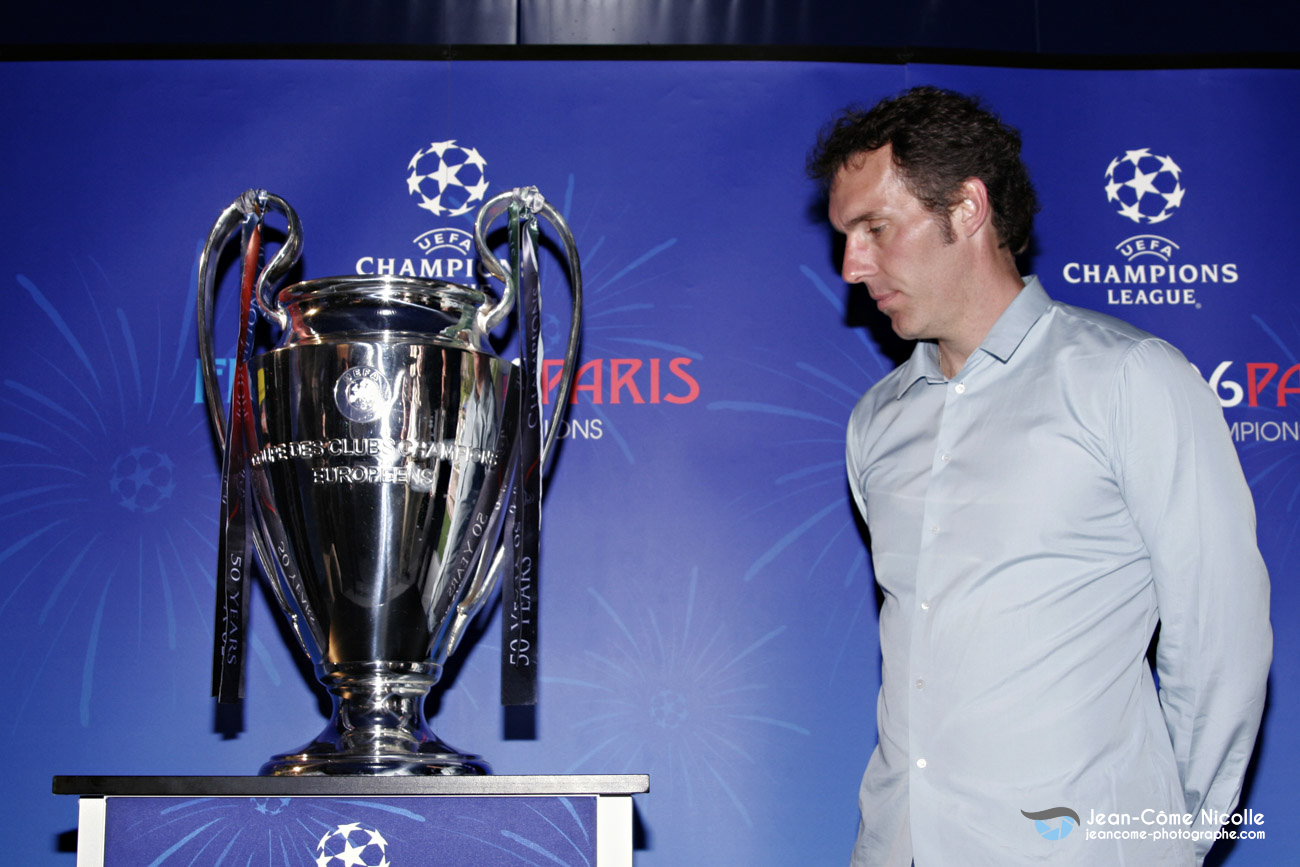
{"x": 1084, "y": 324}
{"x": 882, "y": 402}
{"x": 1112, "y": 349}
{"x": 886, "y": 388}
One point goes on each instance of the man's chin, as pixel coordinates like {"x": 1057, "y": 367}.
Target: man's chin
{"x": 901, "y": 328}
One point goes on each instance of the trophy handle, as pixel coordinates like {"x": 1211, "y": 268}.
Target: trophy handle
{"x": 489, "y": 571}
{"x": 252, "y": 204}
{"x": 491, "y": 315}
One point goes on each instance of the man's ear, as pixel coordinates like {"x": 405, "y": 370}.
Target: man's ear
{"x": 972, "y": 211}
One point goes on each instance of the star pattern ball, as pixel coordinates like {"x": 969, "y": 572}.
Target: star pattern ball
{"x": 1146, "y": 188}
{"x": 269, "y": 806}
{"x": 352, "y": 845}
{"x": 668, "y": 709}
{"x": 448, "y": 178}
{"x": 142, "y": 479}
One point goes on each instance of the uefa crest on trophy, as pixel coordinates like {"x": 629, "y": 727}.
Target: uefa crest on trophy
{"x": 386, "y": 468}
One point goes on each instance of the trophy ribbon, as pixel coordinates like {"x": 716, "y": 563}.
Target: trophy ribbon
{"x": 235, "y": 541}
{"x": 519, "y": 596}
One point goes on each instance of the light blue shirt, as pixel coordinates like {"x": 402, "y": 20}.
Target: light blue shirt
{"x": 1031, "y": 520}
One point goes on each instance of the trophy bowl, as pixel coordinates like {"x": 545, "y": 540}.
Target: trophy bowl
{"x": 379, "y": 439}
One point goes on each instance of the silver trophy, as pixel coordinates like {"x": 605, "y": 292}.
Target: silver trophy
{"x": 377, "y": 439}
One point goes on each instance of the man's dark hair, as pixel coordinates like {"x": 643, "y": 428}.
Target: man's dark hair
{"x": 938, "y": 139}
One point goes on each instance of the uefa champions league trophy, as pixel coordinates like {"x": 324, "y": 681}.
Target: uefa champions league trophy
{"x": 372, "y": 459}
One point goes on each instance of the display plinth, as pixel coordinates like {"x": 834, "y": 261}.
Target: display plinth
{"x": 367, "y": 821}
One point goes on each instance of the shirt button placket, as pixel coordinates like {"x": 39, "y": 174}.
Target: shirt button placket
{"x": 933, "y": 523}
{"x": 920, "y": 657}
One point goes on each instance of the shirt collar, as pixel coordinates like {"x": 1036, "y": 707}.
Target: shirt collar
{"x": 1002, "y": 341}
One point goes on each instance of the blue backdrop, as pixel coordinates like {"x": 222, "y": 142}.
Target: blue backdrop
{"x": 709, "y": 613}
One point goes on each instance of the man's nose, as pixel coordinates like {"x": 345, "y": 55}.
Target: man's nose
{"x": 859, "y": 263}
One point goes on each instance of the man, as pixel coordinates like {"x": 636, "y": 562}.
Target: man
{"x": 1043, "y": 484}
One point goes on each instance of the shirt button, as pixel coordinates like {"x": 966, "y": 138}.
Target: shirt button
{"x": 920, "y": 763}
{"x": 934, "y": 529}
{"x": 945, "y": 457}
{"x": 925, "y": 606}
{"x": 920, "y": 683}
{"x": 960, "y": 388}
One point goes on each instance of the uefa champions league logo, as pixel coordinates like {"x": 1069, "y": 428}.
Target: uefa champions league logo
{"x": 455, "y": 171}
{"x": 353, "y": 845}
{"x": 1148, "y": 188}
{"x": 1145, "y": 187}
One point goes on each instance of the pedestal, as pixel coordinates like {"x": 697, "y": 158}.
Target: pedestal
{"x": 355, "y": 821}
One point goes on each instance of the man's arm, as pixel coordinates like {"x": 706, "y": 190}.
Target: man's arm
{"x": 1184, "y": 487}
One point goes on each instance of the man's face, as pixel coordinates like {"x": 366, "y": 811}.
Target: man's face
{"x": 896, "y": 248}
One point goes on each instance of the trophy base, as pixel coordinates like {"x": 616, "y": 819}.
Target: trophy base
{"x": 378, "y": 728}
{"x": 321, "y": 759}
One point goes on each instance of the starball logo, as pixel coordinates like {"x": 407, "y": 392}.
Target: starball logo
{"x": 1147, "y": 189}
{"x": 353, "y": 845}
{"x": 457, "y": 173}
{"x": 1144, "y": 196}
{"x": 448, "y": 180}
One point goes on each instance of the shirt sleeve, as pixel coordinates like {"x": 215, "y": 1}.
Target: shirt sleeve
{"x": 1183, "y": 485}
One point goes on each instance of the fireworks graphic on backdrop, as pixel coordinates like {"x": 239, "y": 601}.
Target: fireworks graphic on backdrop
{"x": 110, "y": 512}
{"x": 815, "y": 535}
{"x": 674, "y": 693}
{"x": 623, "y": 311}
{"x": 619, "y": 295}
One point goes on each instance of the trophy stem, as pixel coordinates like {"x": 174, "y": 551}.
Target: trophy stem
{"x": 378, "y": 726}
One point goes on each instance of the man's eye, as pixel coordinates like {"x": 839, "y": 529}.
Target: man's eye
{"x": 876, "y": 230}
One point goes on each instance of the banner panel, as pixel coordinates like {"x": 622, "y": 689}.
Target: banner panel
{"x": 351, "y": 832}
{"x": 710, "y": 612}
